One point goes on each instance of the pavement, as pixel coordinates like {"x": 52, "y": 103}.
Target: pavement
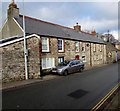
{"x": 114, "y": 104}
{"x": 22, "y": 83}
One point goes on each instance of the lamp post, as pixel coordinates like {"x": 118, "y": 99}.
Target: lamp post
{"x": 25, "y": 47}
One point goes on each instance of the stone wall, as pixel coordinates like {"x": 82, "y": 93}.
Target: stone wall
{"x": 111, "y": 53}
{"x": 13, "y": 67}
{"x": 70, "y": 53}
{"x": 98, "y": 55}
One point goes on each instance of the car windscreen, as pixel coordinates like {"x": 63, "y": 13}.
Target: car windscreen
{"x": 65, "y": 63}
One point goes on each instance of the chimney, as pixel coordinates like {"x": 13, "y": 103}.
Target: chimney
{"x": 13, "y": 11}
{"x": 77, "y": 27}
{"x": 93, "y": 32}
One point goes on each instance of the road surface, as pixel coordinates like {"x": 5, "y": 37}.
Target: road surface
{"x": 77, "y": 91}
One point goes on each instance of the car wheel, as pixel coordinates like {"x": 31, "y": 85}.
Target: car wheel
{"x": 65, "y": 73}
{"x": 80, "y": 69}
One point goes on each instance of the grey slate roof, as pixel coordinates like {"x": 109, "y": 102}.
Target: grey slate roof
{"x": 40, "y": 27}
{"x": 82, "y": 36}
{"x": 49, "y": 29}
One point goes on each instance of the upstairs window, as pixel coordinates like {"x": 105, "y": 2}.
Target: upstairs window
{"x": 94, "y": 47}
{"x": 76, "y": 46}
{"x": 83, "y": 46}
{"x": 83, "y": 58}
{"x": 45, "y": 44}
{"x": 60, "y": 45}
{"x": 100, "y": 48}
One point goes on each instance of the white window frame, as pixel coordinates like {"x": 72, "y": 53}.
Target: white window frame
{"x": 46, "y": 63}
{"x": 94, "y": 47}
{"x": 62, "y": 45}
{"x": 101, "y": 56}
{"x": 84, "y": 58}
{"x": 83, "y": 45}
{"x": 95, "y": 58}
{"x": 48, "y": 47}
{"x": 100, "y": 47}
{"x": 77, "y": 46}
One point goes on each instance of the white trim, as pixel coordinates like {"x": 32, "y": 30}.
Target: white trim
{"x": 48, "y": 46}
{"x": 13, "y": 41}
{"x": 62, "y": 46}
{"x": 18, "y": 25}
{"x": 77, "y": 45}
{"x": 83, "y": 45}
{"x": 100, "y": 48}
{"x": 94, "y": 47}
{"x": 9, "y": 38}
{"x": 47, "y": 64}
{"x": 3, "y": 24}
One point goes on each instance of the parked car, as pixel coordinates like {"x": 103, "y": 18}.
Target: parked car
{"x": 69, "y": 67}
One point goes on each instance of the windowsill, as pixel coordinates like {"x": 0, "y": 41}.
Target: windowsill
{"x": 47, "y": 68}
{"x": 77, "y": 51}
{"x": 61, "y": 51}
{"x": 45, "y": 51}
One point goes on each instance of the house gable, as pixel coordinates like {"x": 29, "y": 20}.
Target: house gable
{"x": 11, "y": 28}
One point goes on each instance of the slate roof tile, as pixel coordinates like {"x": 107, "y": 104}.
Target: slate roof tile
{"x": 43, "y": 28}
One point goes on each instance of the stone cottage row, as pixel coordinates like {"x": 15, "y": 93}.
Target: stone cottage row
{"x": 45, "y": 52}
{"x": 48, "y": 44}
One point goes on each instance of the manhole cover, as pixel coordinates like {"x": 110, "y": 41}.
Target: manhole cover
{"x": 77, "y": 94}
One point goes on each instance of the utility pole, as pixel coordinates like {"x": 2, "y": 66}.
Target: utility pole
{"x": 25, "y": 47}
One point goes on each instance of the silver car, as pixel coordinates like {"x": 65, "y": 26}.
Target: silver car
{"x": 69, "y": 67}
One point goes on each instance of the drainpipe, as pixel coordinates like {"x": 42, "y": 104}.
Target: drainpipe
{"x": 116, "y": 56}
{"x": 25, "y": 47}
{"x": 40, "y": 57}
{"x": 103, "y": 53}
{"x": 90, "y": 56}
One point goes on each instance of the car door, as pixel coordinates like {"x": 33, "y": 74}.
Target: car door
{"x": 77, "y": 66}
{"x": 72, "y": 67}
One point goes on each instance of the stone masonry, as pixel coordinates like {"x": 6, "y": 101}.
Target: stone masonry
{"x": 13, "y": 67}
{"x": 91, "y": 57}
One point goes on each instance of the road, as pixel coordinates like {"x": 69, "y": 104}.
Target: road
{"x": 76, "y": 91}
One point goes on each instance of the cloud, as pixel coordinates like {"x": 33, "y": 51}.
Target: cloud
{"x": 107, "y": 10}
{"x": 53, "y": 13}
{"x": 50, "y": 12}
{"x": 115, "y": 34}
{"x": 100, "y": 15}
{"x": 65, "y": 0}
{"x": 99, "y": 25}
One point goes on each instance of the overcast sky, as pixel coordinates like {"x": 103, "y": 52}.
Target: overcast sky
{"x": 101, "y": 16}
